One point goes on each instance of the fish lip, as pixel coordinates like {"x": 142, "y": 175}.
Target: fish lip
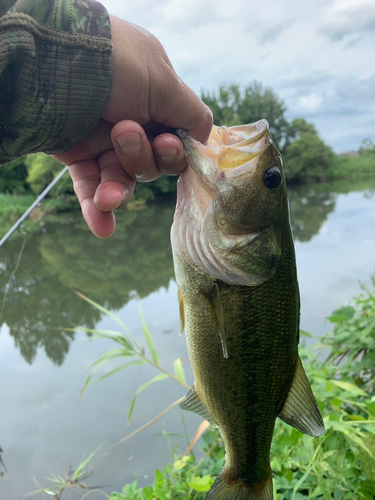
{"x": 229, "y": 149}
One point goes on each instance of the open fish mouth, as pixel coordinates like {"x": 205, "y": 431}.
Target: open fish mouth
{"x": 228, "y": 148}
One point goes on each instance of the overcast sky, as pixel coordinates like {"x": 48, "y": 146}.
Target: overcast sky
{"x": 317, "y": 55}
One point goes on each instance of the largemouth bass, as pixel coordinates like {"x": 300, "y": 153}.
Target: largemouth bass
{"x": 239, "y": 302}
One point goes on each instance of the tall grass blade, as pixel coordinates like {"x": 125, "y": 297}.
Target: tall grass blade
{"x": 148, "y": 337}
{"x": 119, "y": 368}
{"x": 162, "y": 376}
{"x": 108, "y": 313}
{"x": 83, "y": 464}
{"x": 102, "y": 309}
{"x": 149, "y": 423}
{"x": 179, "y": 370}
{"x": 84, "y": 387}
{"x": 112, "y": 354}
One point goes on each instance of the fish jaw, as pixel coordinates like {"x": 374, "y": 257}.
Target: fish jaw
{"x": 218, "y": 224}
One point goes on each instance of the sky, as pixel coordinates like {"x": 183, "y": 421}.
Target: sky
{"x": 318, "y": 56}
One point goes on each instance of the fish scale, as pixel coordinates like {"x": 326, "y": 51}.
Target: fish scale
{"x": 242, "y": 338}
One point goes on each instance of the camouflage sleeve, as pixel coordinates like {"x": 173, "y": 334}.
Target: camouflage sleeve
{"x": 55, "y": 73}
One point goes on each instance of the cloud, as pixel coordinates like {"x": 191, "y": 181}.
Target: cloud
{"x": 311, "y": 102}
{"x": 272, "y": 32}
{"x": 353, "y": 19}
{"x": 187, "y": 16}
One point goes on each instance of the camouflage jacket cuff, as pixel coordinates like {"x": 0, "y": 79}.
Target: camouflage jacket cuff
{"x": 55, "y": 74}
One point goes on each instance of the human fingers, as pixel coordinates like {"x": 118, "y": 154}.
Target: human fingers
{"x": 116, "y": 186}
{"x": 86, "y": 179}
{"x": 169, "y": 154}
{"x": 175, "y": 105}
{"x": 145, "y": 87}
{"x": 134, "y": 151}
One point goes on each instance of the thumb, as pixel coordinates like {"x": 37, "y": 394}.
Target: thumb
{"x": 180, "y": 107}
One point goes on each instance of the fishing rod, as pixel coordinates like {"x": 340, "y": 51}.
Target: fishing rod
{"x": 31, "y": 208}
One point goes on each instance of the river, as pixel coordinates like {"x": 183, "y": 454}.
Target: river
{"x": 42, "y": 362}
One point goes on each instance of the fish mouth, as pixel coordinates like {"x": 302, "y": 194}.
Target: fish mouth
{"x": 228, "y": 148}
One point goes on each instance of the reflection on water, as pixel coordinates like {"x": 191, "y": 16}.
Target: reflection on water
{"x": 68, "y": 257}
{"x": 136, "y": 259}
{"x": 43, "y": 428}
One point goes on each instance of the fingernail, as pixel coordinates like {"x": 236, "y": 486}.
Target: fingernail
{"x": 167, "y": 154}
{"x": 129, "y": 142}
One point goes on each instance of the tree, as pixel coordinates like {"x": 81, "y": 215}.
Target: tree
{"x": 13, "y": 177}
{"x": 367, "y": 147}
{"x": 41, "y": 170}
{"x": 235, "y": 106}
{"x": 305, "y": 155}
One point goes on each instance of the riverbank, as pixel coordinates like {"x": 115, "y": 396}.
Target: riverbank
{"x": 344, "y": 171}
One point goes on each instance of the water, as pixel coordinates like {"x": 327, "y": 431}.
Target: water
{"x": 43, "y": 428}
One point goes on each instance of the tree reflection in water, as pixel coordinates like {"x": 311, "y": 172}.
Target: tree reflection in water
{"x": 67, "y": 257}
{"x": 137, "y": 258}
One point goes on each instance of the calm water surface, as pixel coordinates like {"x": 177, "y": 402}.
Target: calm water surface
{"x": 42, "y": 367}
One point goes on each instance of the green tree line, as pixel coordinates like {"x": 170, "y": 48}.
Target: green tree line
{"x": 305, "y": 154}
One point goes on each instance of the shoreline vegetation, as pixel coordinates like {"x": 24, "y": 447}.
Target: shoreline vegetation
{"x": 339, "y": 464}
{"x": 307, "y": 159}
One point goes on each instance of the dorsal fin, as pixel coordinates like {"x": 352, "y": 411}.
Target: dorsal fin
{"x": 300, "y": 409}
{"x": 217, "y": 308}
{"x": 192, "y": 402}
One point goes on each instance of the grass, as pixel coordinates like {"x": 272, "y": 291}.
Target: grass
{"x": 340, "y": 465}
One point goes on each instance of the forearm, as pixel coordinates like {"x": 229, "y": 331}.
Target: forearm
{"x": 55, "y": 74}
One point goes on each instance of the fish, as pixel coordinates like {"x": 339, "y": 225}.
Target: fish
{"x": 239, "y": 302}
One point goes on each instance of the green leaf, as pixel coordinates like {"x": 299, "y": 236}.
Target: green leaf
{"x": 179, "y": 370}
{"x": 119, "y": 368}
{"x": 343, "y": 314}
{"x": 162, "y": 376}
{"x": 202, "y": 483}
{"x": 349, "y": 387}
{"x": 148, "y": 337}
{"x": 131, "y": 409}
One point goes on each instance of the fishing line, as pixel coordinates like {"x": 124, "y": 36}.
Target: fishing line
{"x": 31, "y": 208}
{"x": 47, "y": 205}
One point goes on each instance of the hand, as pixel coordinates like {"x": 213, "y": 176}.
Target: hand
{"x": 146, "y": 99}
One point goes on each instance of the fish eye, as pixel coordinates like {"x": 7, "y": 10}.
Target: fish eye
{"x": 272, "y": 178}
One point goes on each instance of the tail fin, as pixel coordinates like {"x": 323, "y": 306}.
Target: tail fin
{"x": 223, "y": 489}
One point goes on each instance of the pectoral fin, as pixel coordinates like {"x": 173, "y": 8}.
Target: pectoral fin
{"x": 182, "y": 312}
{"x": 192, "y": 402}
{"x": 217, "y": 308}
{"x": 300, "y": 409}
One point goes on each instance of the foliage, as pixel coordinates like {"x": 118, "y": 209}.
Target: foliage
{"x": 233, "y": 105}
{"x": 12, "y": 206}
{"x": 41, "y": 170}
{"x": 186, "y": 478}
{"x": 340, "y": 465}
{"x": 352, "y": 166}
{"x": 367, "y": 148}
{"x": 352, "y": 341}
{"x": 129, "y": 348}
{"x": 305, "y": 154}
{"x": 74, "y": 479}
{"x": 13, "y": 177}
